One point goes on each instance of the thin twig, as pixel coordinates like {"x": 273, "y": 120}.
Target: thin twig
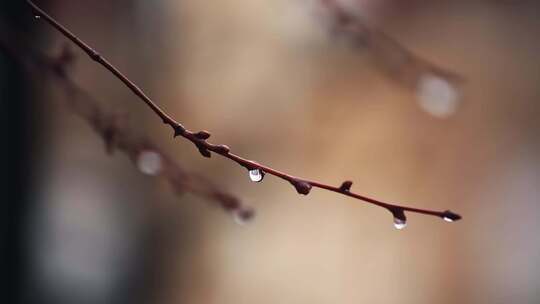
{"x": 199, "y": 139}
{"x": 393, "y": 59}
{"x": 113, "y": 129}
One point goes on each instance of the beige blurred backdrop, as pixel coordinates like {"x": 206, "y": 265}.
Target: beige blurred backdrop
{"x": 269, "y": 79}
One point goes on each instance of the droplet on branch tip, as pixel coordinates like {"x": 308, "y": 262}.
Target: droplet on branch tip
{"x": 450, "y": 216}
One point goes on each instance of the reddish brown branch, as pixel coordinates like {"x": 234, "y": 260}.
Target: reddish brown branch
{"x": 113, "y": 129}
{"x": 199, "y": 139}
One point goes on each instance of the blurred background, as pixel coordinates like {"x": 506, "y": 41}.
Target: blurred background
{"x": 280, "y": 84}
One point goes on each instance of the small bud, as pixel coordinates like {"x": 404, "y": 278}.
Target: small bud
{"x": 224, "y": 149}
{"x": 202, "y": 135}
{"x": 204, "y": 152}
{"x": 302, "y": 187}
{"x": 346, "y": 186}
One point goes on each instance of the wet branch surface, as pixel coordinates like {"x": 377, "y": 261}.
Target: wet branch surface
{"x": 206, "y": 149}
{"x": 113, "y": 128}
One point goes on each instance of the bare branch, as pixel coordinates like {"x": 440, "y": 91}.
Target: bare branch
{"x": 199, "y": 139}
{"x": 113, "y": 129}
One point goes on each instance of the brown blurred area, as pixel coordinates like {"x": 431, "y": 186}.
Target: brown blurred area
{"x": 270, "y": 80}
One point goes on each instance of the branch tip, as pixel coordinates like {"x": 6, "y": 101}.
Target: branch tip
{"x": 450, "y": 216}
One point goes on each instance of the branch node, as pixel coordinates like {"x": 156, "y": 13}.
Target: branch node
{"x": 202, "y": 134}
{"x": 222, "y": 149}
{"x": 177, "y": 128}
{"x": 94, "y": 55}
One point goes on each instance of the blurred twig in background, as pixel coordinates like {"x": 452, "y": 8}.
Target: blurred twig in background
{"x": 113, "y": 129}
{"x": 437, "y": 89}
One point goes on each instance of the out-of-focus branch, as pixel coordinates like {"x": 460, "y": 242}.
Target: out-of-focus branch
{"x": 113, "y": 129}
{"x": 392, "y": 58}
{"x": 199, "y": 139}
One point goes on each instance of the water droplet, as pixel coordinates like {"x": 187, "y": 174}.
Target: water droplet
{"x": 400, "y": 223}
{"x": 256, "y": 175}
{"x": 448, "y": 219}
{"x": 37, "y": 17}
{"x": 437, "y": 95}
{"x": 450, "y": 216}
{"x": 149, "y": 162}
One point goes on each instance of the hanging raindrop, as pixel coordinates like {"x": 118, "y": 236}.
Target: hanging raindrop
{"x": 256, "y": 175}
{"x": 400, "y": 223}
{"x": 448, "y": 219}
{"x": 450, "y": 216}
{"x": 400, "y": 220}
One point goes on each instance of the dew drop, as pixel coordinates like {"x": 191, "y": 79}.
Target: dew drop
{"x": 256, "y": 175}
{"x": 446, "y": 218}
{"x": 400, "y": 223}
{"x": 149, "y": 162}
{"x": 449, "y": 216}
{"x": 37, "y": 17}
